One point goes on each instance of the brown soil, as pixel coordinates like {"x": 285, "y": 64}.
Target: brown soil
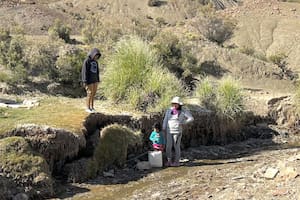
{"x": 236, "y": 171}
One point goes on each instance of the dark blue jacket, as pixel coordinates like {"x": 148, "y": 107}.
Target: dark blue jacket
{"x": 90, "y": 68}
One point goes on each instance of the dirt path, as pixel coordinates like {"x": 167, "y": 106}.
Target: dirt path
{"x": 253, "y": 169}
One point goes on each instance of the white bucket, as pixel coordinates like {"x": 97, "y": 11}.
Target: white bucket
{"x": 155, "y": 158}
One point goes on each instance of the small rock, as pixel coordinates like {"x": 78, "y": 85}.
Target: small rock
{"x": 184, "y": 160}
{"x": 21, "y": 196}
{"x": 238, "y": 177}
{"x": 280, "y": 192}
{"x": 271, "y": 173}
{"x": 156, "y": 195}
{"x": 145, "y": 165}
{"x": 110, "y": 173}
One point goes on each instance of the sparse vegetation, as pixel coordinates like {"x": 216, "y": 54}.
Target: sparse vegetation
{"x": 60, "y": 30}
{"x": 12, "y": 56}
{"x": 68, "y": 66}
{"x": 247, "y": 50}
{"x": 176, "y": 57}
{"x": 214, "y": 28}
{"x": 96, "y": 30}
{"x": 277, "y": 59}
{"x": 41, "y": 59}
{"x": 5, "y": 39}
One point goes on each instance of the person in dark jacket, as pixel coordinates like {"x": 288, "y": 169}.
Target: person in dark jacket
{"x": 90, "y": 77}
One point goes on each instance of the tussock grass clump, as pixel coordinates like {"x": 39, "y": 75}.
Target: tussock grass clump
{"x": 226, "y": 98}
{"x": 206, "y": 93}
{"x": 135, "y": 77}
{"x": 113, "y": 145}
{"x": 230, "y": 98}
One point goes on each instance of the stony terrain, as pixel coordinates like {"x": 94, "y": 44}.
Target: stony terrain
{"x": 254, "y": 169}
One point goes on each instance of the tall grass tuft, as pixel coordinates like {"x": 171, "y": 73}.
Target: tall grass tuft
{"x": 225, "y": 98}
{"x": 206, "y": 93}
{"x": 230, "y": 98}
{"x": 134, "y": 76}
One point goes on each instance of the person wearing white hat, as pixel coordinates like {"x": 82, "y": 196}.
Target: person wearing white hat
{"x": 175, "y": 117}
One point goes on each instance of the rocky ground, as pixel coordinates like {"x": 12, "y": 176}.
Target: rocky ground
{"x": 253, "y": 169}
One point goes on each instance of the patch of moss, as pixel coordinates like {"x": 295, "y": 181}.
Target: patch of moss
{"x": 24, "y": 166}
{"x": 113, "y": 145}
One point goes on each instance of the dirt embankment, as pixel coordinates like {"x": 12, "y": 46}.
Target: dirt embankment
{"x": 76, "y": 157}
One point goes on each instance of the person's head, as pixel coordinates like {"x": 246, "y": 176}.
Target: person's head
{"x": 157, "y": 127}
{"x": 97, "y": 56}
{"x": 176, "y": 103}
{"x": 94, "y": 54}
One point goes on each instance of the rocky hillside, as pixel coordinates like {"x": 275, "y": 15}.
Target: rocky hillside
{"x": 263, "y": 44}
{"x": 269, "y": 28}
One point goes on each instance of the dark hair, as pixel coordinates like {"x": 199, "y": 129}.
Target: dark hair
{"x": 157, "y": 126}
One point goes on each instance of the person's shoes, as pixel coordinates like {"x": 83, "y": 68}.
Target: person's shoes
{"x": 93, "y": 110}
{"x": 168, "y": 163}
{"x": 88, "y": 110}
{"x": 175, "y": 164}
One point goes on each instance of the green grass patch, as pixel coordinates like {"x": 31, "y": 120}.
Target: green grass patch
{"x": 52, "y": 111}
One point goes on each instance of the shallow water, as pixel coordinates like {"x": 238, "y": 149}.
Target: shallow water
{"x": 197, "y": 179}
{"x": 124, "y": 191}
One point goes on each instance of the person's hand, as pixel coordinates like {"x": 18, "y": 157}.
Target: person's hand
{"x": 84, "y": 85}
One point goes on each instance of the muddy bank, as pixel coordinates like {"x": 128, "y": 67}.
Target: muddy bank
{"x": 78, "y": 157}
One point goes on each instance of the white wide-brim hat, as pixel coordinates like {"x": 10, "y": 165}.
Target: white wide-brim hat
{"x": 177, "y": 100}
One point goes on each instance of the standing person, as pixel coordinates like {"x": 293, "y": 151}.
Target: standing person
{"x": 90, "y": 77}
{"x": 157, "y": 137}
{"x": 175, "y": 118}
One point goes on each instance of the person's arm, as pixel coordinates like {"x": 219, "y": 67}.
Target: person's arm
{"x": 165, "y": 124}
{"x": 188, "y": 116}
{"x": 152, "y": 136}
{"x": 98, "y": 71}
{"x": 165, "y": 121}
{"x": 84, "y": 72}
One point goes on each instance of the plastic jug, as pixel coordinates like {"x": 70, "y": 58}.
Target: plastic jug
{"x": 155, "y": 158}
